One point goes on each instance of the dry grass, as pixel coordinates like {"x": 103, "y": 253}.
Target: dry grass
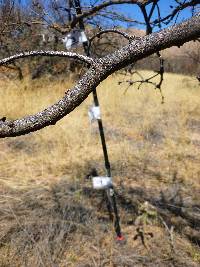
{"x": 154, "y": 151}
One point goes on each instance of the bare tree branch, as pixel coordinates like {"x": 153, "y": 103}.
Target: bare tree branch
{"x": 182, "y": 5}
{"x": 124, "y": 34}
{"x": 148, "y": 80}
{"x": 82, "y": 58}
{"x": 89, "y": 12}
{"x": 116, "y": 31}
{"x": 105, "y": 4}
{"x": 100, "y": 70}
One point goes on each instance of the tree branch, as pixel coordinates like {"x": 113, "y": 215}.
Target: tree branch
{"x": 175, "y": 11}
{"x": 82, "y": 58}
{"x": 124, "y": 34}
{"x": 116, "y": 31}
{"x": 105, "y": 4}
{"x": 100, "y": 70}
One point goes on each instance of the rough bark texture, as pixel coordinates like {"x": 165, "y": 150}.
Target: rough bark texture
{"x": 99, "y": 70}
{"x": 82, "y": 58}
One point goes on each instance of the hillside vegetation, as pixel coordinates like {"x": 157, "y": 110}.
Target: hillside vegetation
{"x": 49, "y": 213}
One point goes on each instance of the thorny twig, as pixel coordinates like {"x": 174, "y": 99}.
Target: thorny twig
{"x": 148, "y": 80}
{"x": 160, "y": 72}
{"x": 113, "y": 30}
{"x": 124, "y": 34}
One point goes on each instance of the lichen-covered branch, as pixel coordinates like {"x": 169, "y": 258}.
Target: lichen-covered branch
{"x": 99, "y": 70}
{"x": 82, "y": 58}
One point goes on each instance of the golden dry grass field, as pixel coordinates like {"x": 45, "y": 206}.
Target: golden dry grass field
{"x": 50, "y": 216}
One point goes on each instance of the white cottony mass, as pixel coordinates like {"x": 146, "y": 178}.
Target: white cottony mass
{"x": 94, "y": 113}
{"x": 101, "y": 182}
{"x": 74, "y": 38}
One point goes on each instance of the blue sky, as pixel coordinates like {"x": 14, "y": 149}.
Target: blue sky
{"x": 134, "y": 12}
{"x": 131, "y": 10}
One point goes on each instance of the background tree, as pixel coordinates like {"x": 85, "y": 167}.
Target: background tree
{"x": 45, "y": 23}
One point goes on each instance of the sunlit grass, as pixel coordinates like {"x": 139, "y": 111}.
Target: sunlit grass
{"x": 152, "y": 147}
{"x": 138, "y": 128}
